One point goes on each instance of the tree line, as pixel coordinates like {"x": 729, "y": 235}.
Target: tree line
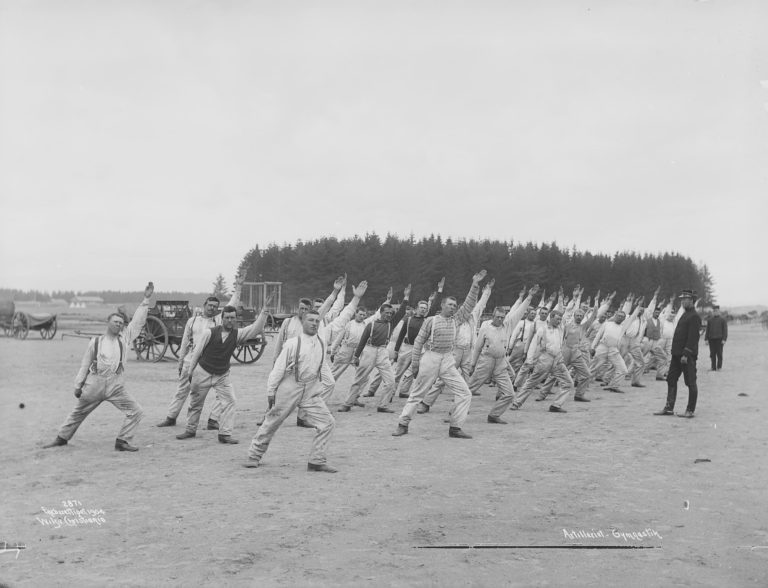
{"x": 307, "y": 269}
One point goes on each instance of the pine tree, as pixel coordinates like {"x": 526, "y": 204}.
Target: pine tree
{"x": 220, "y": 289}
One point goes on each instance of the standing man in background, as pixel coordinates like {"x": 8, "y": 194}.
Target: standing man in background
{"x": 716, "y": 336}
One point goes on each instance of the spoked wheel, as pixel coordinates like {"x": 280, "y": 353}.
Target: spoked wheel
{"x": 152, "y": 342}
{"x": 20, "y": 325}
{"x": 49, "y": 331}
{"x": 250, "y": 351}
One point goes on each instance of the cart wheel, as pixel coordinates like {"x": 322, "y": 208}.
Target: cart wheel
{"x": 49, "y": 330}
{"x": 152, "y": 342}
{"x": 20, "y": 325}
{"x": 250, "y": 351}
{"x": 174, "y": 345}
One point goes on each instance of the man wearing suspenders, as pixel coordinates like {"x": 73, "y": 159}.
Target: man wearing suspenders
{"x": 432, "y": 358}
{"x": 101, "y": 377}
{"x": 295, "y": 381}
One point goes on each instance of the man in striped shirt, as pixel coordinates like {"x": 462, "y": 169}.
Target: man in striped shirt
{"x": 432, "y": 358}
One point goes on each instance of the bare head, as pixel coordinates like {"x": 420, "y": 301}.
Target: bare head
{"x": 317, "y": 303}
{"x": 421, "y": 308}
{"x": 386, "y": 311}
{"x": 498, "y": 317}
{"x": 229, "y": 318}
{"x": 211, "y": 307}
{"x": 619, "y": 317}
{"x": 555, "y": 317}
{"x": 305, "y": 305}
{"x": 310, "y": 322}
{"x": 449, "y": 306}
{"x": 360, "y": 314}
{"x": 531, "y": 314}
{"x": 543, "y": 313}
{"x": 115, "y": 323}
{"x": 578, "y": 316}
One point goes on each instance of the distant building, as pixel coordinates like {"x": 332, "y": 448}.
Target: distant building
{"x": 84, "y": 301}
{"x": 58, "y": 301}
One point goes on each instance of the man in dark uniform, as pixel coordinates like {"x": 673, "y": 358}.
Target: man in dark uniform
{"x": 685, "y": 349}
{"x": 715, "y": 336}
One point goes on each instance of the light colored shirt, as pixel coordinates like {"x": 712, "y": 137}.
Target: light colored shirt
{"x": 310, "y": 362}
{"x": 547, "y": 339}
{"x": 109, "y": 357}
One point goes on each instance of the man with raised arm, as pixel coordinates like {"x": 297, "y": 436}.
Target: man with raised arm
{"x": 489, "y": 357}
{"x": 605, "y": 347}
{"x": 213, "y": 351}
{"x": 433, "y": 358}
{"x": 546, "y": 357}
{"x": 295, "y": 382}
{"x": 194, "y": 328}
{"x": 372, "y": 353}
{"x": 101, "y": 378}
{"x": 634, "y": 334}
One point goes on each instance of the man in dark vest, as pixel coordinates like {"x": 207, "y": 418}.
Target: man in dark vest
{"x": 685, "y": 350}
{"x": 212, "y": 351}
{"x": 715, "y": 336}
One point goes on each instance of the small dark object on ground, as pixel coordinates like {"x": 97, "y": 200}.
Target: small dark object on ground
{"x": 702, "y": 460}
{"x": 742, "y": 394}
{"x": 21, "y": 405}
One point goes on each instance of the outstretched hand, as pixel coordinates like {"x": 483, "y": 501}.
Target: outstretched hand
{"x": 479, "y": 276}
{"x": 407, "y": 292}
{"x": 149, "y": 290}
{"x": 440, "y": 284}
{"x": 340, "y": 282}
{"x": 360, "y": 289}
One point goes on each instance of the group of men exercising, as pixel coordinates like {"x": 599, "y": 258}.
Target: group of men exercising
{"x": 416, "y": 352}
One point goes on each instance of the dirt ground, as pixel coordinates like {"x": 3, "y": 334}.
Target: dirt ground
{"x": 185, "y": 513}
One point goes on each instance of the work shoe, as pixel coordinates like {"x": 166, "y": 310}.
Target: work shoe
{"x": 121, "y": 445}
{"x": 303, "y": 423}
{"x": 401, "y": 430}
{"x": 612, "y": 389}
{"x": 665, "y": 412}
{"x": 514, "y": 406}
{"x": 581, "y": 399}
{"x": 358, "y": 403}
{"x": 344, "y": 408}
{"x": 475, "y": 393}
{"x": 457, "y": 433}
{"x": 638, "y": 385}
{"x": 422, "y": 408}
{"x": 213, "y": 425}
{"x": 540, "y": 398}
{"x": 369, "y": 394}
{"x": 661, "y": 379}
{"x": 554, "y": 408}
{"x": 498, "y": 396}
{"x": 228, "y": 439}
{"x": 384, "y": 409}
{"x": 58, "y": 441}
{"x": 496, "y": 420}
{"x": 403, "y": 395}
{"x": 251, "y": 463}
{"x": 321, "y": 467}
{"x": 186, "y": 435}
{"x": 168, "y": 422}
{"x": 688, "y": 415}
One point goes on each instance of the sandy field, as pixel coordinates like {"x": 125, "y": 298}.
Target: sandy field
{"x": 605, "y": 495}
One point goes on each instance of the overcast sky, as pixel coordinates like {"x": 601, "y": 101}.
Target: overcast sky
{"x": 163, "y": 140}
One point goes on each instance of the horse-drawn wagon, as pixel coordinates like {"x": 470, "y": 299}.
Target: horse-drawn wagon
{"x": 18, "y": 323}
{"x": 164, "y": 330}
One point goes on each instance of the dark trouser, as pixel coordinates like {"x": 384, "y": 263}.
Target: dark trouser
{"x": 716, "y": 353}
{"x": 676, "y": 367}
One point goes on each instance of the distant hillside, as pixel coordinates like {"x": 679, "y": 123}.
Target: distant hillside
{"x": 737, "y": 310}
